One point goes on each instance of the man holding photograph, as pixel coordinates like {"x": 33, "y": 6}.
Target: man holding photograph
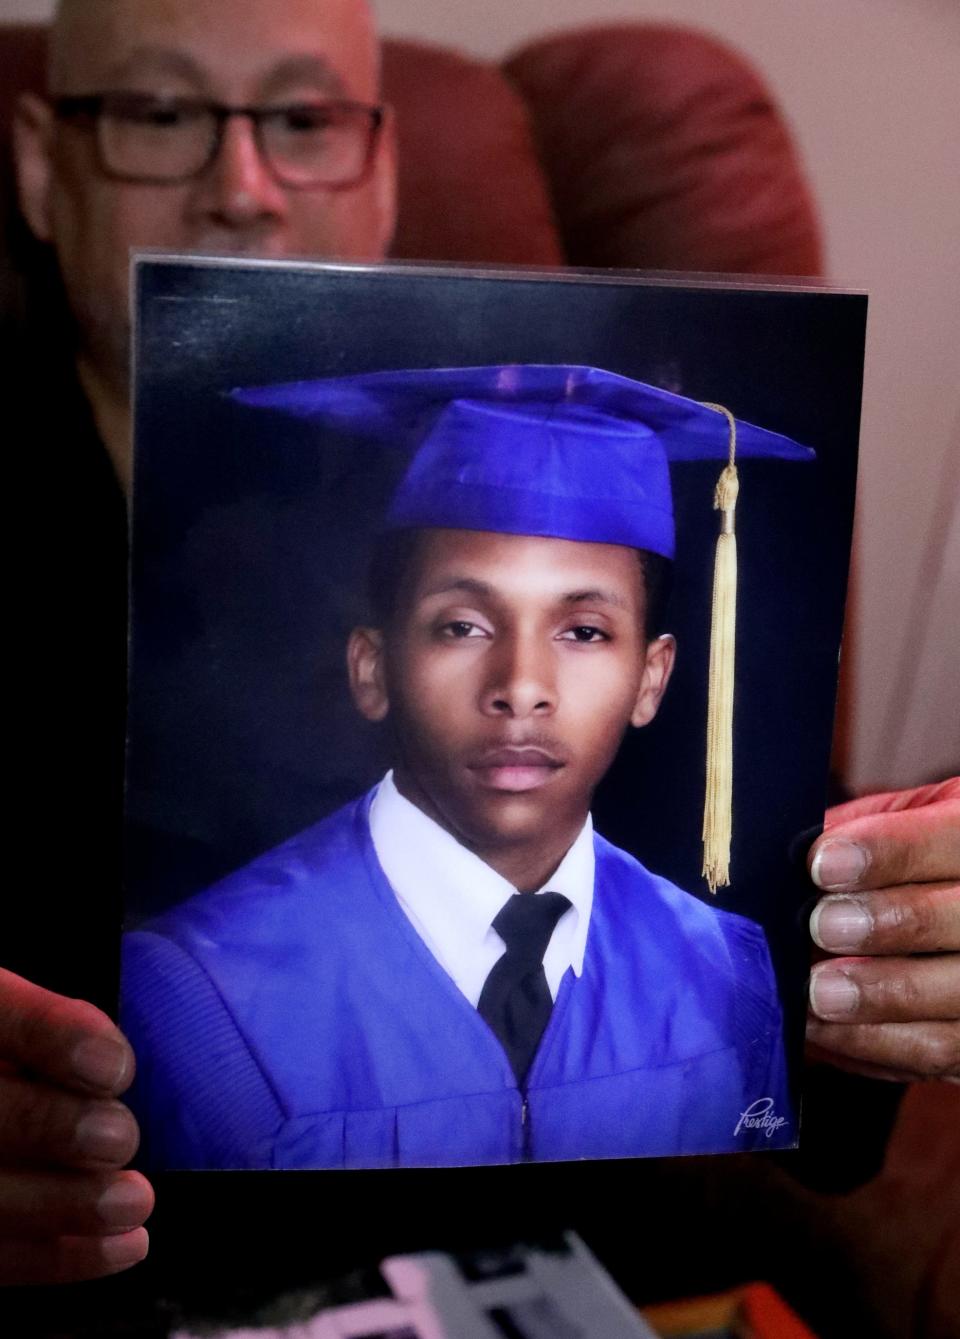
{"x": 890, "y": 863}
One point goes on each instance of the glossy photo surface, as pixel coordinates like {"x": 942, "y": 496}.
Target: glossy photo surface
{"x": 422, "y": 581}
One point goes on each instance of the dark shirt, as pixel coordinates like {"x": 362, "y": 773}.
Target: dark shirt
{"x": 67, "y": 582}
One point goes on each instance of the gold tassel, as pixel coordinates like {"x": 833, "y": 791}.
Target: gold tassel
{"x": 718, "y": 801}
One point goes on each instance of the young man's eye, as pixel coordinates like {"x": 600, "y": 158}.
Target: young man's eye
{"x": 584, "y": 633}
{"x": 460, "y": 628}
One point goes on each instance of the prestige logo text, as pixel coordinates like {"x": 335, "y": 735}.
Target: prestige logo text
{"x": 760, "y": 1115}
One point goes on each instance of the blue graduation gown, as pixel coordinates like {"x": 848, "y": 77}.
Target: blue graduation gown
{"x": 291, "y": 1017}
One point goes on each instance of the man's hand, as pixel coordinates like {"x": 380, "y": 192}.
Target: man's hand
{"x": 67, "y": 1211}
{"x": 891, "y": 866}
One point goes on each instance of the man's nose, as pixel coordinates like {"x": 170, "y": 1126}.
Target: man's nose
{"x": 521, "y": 679}
{"x": 239, "y": 190}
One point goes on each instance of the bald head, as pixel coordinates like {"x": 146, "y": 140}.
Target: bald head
{"x": 94, "y": 40}
{"x": 65, "y": 45}
{"x": 234, "y": 53}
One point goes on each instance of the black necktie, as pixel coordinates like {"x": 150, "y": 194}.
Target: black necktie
{"x": 515, "y": 1001}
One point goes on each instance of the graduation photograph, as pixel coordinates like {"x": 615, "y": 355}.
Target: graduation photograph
{"x": 484, "y": 642}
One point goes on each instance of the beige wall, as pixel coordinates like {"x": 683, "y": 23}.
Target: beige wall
{"x": 872, "y": 90}
{"x": 13, "y": 11}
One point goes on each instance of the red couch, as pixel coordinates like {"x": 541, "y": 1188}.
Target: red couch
{"x": 630, "y": 145}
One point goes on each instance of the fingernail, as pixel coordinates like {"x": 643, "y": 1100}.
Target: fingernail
{"x": 839, "y": 924}
{"x": 102, "y": 1062}
{"x": 838, "y": 863}
{"x": 106, "y": 1134}
{"x": 124, "y": 1204}
{"x": 832, "y": 993}
{"x": 122, "y": 1251}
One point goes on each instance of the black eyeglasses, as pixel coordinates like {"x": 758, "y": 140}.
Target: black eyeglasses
{"x": 163, "y": 141}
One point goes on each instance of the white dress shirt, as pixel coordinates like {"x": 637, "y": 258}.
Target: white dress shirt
{"x": 451, "y": 897}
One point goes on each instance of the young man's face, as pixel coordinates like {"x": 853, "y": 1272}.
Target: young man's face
{"x": 511, "y": 670}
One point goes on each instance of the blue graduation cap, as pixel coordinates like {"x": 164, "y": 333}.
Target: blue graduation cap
{"x": 566, "y": 452}
{"x": 561, "y": 451}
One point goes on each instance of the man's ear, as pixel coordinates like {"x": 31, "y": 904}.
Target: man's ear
{"x": 33, "y": 154}
{"x": 366, "y": 670}
{"x": 385, "y": 181}
{"x": 661, "y": 654}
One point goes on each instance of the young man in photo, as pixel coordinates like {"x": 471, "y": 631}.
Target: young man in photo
{"x": 455, "y": 968}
